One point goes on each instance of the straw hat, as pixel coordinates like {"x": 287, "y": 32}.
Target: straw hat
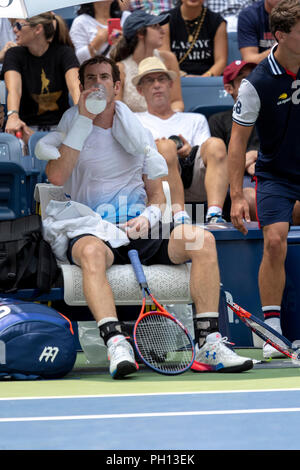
{"x": 152, "y": 65}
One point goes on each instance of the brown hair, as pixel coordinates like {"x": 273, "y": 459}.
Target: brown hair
{"x": 55, "y": 28}
{"x": 124, "y": 47}
{"x": 99, "y": 59}
{"x": 284, "y": 16}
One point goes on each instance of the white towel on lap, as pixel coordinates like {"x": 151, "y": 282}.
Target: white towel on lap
{"x": 66, "y": 220}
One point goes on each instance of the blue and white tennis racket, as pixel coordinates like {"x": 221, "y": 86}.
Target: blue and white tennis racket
{"x": 163, "y": 342}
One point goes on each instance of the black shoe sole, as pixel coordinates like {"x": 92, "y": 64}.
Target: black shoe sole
{"x": 123, "y": 369}
{"x": 241, "y": 368}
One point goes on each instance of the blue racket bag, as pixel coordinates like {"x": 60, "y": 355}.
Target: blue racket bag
{"x": 36, "y": 341}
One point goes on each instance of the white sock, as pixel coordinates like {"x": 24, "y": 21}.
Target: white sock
{"x": 216, "y": 210}
{"x": 105, "y": 320}
{"x": 274, "y": 323}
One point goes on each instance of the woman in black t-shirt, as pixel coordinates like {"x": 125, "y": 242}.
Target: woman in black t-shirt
{"x": 39, "y": 74}
{"x": 198, "y": 37}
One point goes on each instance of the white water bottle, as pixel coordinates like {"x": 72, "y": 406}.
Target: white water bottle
{"x": 96, "y": 101}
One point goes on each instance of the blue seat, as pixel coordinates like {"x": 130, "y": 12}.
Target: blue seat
{"x": 205, "y": 95}
{"x": 38, "y": 165}
{"x": 13, "y": 191}
{"x": 11, "y": 156}
{"x": 233, "y": 48}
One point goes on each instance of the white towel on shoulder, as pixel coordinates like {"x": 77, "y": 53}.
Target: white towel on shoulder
{"x": 126, "y": 129}
{"x": 136, "y": 140}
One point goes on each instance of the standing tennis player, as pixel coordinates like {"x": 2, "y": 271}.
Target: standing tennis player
{"x": 269, "y": 98}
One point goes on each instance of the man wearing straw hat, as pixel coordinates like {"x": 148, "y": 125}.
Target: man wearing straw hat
{"x": 202, "y": 158}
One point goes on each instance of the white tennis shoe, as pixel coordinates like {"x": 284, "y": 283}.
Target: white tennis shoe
{"x": 271, "y": 353}
{"x": 215, "y": 356}
{"x": 121, "y": 357}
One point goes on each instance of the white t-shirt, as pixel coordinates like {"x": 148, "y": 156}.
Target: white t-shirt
{"x": 106, "y": 178}
{"x": 83, "y": 30}
{"x": 192, "y": 126}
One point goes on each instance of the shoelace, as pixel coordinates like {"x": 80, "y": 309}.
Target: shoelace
{"x": 118, "y": 348}
{"x": 223, "y": 342}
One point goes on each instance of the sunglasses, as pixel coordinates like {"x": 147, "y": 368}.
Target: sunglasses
{"x": 19, "y": 26}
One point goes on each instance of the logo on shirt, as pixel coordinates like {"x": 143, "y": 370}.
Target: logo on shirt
{"x": 46, "y": 100}
{"x": 283, "y": 98}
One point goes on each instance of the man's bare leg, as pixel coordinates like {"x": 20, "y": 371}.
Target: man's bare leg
{"x": 214, "y": 156}
{"x": 189, "y": 242}
{"x": 95, "y": 258}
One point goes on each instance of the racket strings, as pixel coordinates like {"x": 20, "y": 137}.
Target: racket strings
{"x": 163, "y": 343}
{"x": 267, "y": 334}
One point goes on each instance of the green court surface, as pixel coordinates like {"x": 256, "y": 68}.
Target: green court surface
{"x": 87, "y": 380}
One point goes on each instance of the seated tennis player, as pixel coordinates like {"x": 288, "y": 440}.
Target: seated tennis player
{"x": 109, "y": 163}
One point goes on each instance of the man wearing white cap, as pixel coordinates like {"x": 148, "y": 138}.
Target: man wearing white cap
{"x": 202, "y": 158}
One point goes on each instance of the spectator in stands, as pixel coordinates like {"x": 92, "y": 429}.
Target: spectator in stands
{"x": 268, "y": 99}
{"x": 154, "y": 7}
{"x": 39, "y": 74}
{"x": 198, "y": 37}
{"x": 7, "y": 37}
{"x": 228, "y": 9}
{"x": 108, "y": 179}
{"x": 220, "y": 125}
{"x": 254, "y": 36}
{"x": 89, "y": 31}
{"x": 205, "y": 179}
{"x": 142, "y": 37}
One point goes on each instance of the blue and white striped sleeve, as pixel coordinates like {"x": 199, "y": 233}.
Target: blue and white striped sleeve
{"x": 247, "y": 106}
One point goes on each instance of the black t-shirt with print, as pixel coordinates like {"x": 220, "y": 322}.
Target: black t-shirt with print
{"x": 45, "y": 95}
{"x": 201, "y": 58}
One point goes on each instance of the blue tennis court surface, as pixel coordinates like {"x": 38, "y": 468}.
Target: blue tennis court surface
{"x": 232, "y": 420}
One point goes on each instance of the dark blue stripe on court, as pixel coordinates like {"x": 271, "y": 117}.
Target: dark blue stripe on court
{"x": 232, "y": 431}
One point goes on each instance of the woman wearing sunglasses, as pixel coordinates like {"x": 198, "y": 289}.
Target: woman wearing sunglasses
{"x": 39, "y": 74}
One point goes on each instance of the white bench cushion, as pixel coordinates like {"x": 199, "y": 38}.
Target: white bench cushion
{"x": 169, "y": 284}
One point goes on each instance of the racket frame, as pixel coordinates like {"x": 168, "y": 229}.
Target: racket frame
{"x": 160, "y": 311}
{"x": 245, "y": 316}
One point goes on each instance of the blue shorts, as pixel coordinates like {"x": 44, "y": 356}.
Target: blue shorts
{"x": 275, "y": 200}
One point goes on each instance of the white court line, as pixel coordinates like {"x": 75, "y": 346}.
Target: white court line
{"x": 203, "y": 392}
{"x": 148, "y": 415}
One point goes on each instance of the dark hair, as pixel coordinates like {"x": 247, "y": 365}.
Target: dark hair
{"x": 124, "y": 47}
{"x": 284, "y": 16}
{"x": 88, "y": 9}
{"x": 99, "y": 59}
{"x": 55, "y": 28}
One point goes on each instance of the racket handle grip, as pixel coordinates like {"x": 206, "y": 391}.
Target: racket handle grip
{"x": 138, "y": 268}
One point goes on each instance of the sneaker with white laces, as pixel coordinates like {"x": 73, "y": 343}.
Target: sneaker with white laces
{"x": 215, "y": 356}
{"x": 121, "y": 357}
